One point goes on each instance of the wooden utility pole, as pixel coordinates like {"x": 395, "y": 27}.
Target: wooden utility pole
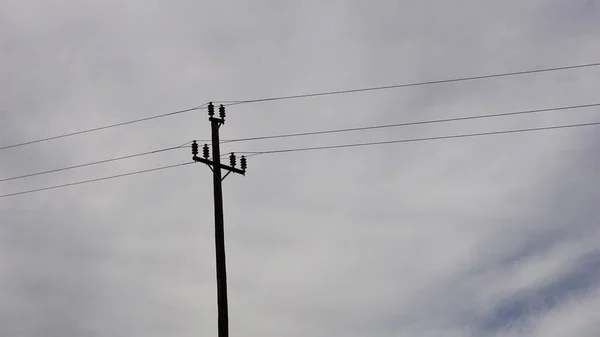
{"x": 216, "y": 166}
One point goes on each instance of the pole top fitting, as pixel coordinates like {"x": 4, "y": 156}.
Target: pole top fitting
{"x": 211, "y": 109}
{"x": 244, "y": 163}
{"x": 194, "y": 148}
{"x": 232, "y": 159}
{"x": 222, "y": 112}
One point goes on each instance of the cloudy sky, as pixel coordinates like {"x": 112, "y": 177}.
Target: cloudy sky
{"x": 489, "y": 236}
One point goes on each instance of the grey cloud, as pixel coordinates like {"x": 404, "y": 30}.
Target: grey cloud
{"x": 449, "y": 238}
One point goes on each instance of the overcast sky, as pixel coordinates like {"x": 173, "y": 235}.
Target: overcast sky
{"x": 489, "y": 236}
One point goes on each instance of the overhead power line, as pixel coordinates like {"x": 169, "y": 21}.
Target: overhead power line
{"x": 414, "y": 84}
{"x": 94, "y": 163}
{"x": 255, "y": 153}
{"x": 413, "y": 140}
{"x": 173, "y": 113}
{"x": 304, "y": 134}
{"x": 305, "y": 96}
{"x": 432, "y": 121}
{"x": 95, "y": 180}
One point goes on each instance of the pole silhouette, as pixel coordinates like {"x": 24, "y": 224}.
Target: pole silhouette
{"x": 216, "y": 166}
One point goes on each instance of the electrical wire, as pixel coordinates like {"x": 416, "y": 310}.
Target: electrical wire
{"x": 173, "y": 113}
{"x": 94, "y": 163}
{"x": 513, "y": 113}
{"x": 305, "y": 96}
{"x": 94, "y": 180}
{"x": 255, "y": 153}
{"x": 307, "y": 134}
{"x": 414, "y": 84}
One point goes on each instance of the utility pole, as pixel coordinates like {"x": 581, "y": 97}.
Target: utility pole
{"x": 216, "y": 166}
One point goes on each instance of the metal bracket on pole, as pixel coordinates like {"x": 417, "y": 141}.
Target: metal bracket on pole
{"x": 211, "y": 164}
{"x": 226, "y": 174}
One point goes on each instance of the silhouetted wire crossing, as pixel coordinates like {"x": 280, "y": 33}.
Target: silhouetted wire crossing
{"x": 405, "y": 85}
{"x": 173, "y": 113}
{"x": 328, "y": 93}
{"x": 412, "y": 140}
{"x": 443, "y": 120}
{"x": 95, "y": 163}
{"x": 256, "y": 153}
{"x": 523, "y": 112}
{"x": 96, "y": 180}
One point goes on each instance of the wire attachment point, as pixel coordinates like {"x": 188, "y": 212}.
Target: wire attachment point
{"x": 211, "y": 109}
{"x": 194, "y": 148}
{"x": 205, "y": 151}
{"x": 243, "y": 163}
{"x": 222, "y": 113}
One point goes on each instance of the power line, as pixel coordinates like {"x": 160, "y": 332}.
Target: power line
{"x": 102, "y": 127}
{"x": 513, "y": 113}
{"x": 255, "y": 153}
{"x": 305, "y": 96}
{"x": 414, "y": 84}
{"x": 93, "y": 163}
{"x": 95, "y": 180}
{"x": 305, "y": 134}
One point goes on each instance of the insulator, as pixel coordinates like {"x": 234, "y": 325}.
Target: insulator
{"x": 243, "y": 163}
{"x": 211, "y": 109}
{"x": 222, "y": 111}
{"x": 194, "y": 148}
{"x": 205, "y": 151}
{"x": 232, "y": 159}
